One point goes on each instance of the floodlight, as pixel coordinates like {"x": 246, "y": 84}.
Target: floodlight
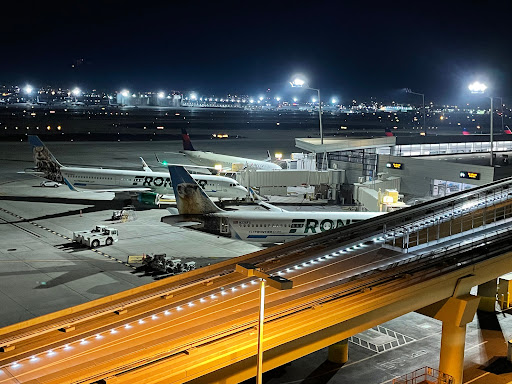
{"x": 76, "y": 91}
{"x": 297, "y": 82}
{"x": 477, "y": 87}
{"x": 125, "y": 93}
{"x": 28, "y": 89}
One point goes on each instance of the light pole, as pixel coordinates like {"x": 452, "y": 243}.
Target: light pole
{"x": 423, "y": 100}
{"x": 277, "y": 282}
{"x": 300, "y": 83}
{"x": 501, "y": 110}
{"x": 478, "y": 87}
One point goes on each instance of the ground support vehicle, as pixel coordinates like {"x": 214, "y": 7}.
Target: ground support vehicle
{"x": 100, "y": 235}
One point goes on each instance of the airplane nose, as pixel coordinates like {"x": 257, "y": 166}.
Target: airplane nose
{"x": 243, "y": 191}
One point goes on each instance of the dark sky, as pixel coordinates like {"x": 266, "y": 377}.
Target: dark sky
{"x": 353, "y": 49}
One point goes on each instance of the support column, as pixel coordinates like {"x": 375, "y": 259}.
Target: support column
{"x": 338, "y": 353}
{"x": 455, "y": 314}
{"x": 451, "y": 359}
{"x": 487, "y": 292}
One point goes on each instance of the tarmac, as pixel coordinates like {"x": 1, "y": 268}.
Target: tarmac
{"x": 42, "y": 271}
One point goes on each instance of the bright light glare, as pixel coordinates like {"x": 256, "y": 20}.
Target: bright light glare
{"x": 125, "y": 93}
{"x": 28, "y": 89}
{"x": 161, "y": 95}
{"x": 278, "y": 98}
{"x": 76, "y": 91}
{"x": 193, "y": 96}
{"x": 334, "y": 101}
{"x": 297, "y": 82}
{"x": 477, "y": 87}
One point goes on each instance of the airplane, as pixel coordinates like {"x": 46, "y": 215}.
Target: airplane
{"x": 197, "y": 210}
{"x": 211, "y": 159}
{"x": 153, "y": 188}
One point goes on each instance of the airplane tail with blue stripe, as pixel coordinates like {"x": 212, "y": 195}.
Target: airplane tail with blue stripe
{"x": 44, "y": 161}
{"x": 190, "y": 197}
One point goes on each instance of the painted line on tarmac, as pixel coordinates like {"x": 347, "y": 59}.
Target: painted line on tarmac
{"x": 61, "y": 235}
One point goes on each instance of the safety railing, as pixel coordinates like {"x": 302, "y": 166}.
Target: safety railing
{"x": 425, "y": 375}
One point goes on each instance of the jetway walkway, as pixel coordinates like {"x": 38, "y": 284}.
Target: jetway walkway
{"x": 199, "y": 327}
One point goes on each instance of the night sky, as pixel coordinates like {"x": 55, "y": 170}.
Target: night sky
{"x": 355, "y": 49}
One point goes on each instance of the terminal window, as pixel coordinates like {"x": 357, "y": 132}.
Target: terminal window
{"x": 441, "y": 188}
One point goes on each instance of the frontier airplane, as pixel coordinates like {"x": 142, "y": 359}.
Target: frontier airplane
{"x": 150, "y": 187}
{"x": 210, "y": 159}
{"x": 273, "y": 226}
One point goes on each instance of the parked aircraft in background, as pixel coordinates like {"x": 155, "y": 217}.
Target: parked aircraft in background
{"x": 276, "y": 225}
{"x": 217, "y": 160}
{"x": 150, "y": 187}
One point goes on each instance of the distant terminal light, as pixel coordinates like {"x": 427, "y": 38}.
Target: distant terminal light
{"x": 220, "y": 135}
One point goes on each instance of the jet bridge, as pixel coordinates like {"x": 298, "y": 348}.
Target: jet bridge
{"x": 277, "y": 182}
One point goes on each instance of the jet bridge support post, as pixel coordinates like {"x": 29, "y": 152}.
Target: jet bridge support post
{"x": 487, "y": 293}
{"x": 338, "y": 352}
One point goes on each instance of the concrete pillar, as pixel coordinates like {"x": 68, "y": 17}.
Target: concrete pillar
{"x": 455, "y": 314}
{"x": 338, "y": 353}
{"x": 487, "y": 292}
{"x": 451, "y": 359}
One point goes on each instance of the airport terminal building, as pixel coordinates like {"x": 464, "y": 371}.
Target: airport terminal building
{"x": 428, "y": 166}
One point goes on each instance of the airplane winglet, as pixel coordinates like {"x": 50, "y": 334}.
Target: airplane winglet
{"x": 145, "y": 166}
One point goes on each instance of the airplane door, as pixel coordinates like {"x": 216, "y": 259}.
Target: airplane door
{"x": 224, "y": 225}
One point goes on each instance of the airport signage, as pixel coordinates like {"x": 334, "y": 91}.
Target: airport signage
{"x": 395, "y": 165}
{"x": 469, "y": 175}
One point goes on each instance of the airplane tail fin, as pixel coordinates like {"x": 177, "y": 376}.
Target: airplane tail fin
{"x": 269, "y": 158}
{"x": 187, "y": 144}
{"x": 190, "y": 197}
{"x": 507, "y": 130}
{"x": 388, "y": 132}
{"x": 465, "y": 132}
{"x": 44, "y": 161}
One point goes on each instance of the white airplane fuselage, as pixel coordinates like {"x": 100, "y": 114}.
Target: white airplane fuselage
{"x": 81, "y": 178}
{"x": 280, "y": 227}
{"x": 211, "y": 159}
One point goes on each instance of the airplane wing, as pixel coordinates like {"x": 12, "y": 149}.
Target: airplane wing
{"x": 194, "y": 168}
{"x": 115, "y": 190}
{"x": 185, "y": 224}
{"x": 269, "y": 207}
